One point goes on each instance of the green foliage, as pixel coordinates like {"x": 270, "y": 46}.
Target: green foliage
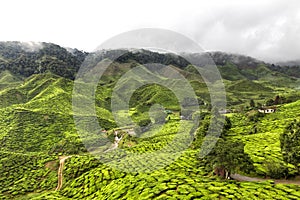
{"x": 262, "y": 137}
{"x": 269, "y": 102}
{"x": 24, "y": 173}
{"x": 46, "y": 58}
{"x": 231, "y": 72}
{"x": 40, "y": 132}
{"x": 36, "y": 125}
{"x": 276, "y": 170}
{"x": 144, "y": 122}
{"x": 290, "y": 143}
{"x": 8, "y": 80}
{"x": 216, "y": 123}
{"x": 248, "y": 85}
{"x": 230, "y": 155}
{"x": 252, "y": 103}
{"x": 255, "y": 116}
{"x": 227, "y": 124}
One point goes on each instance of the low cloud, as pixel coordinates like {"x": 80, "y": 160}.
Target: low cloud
{"x": 265, "y": 29}
{"x": 269, "y": 30}
{"x": 31, "y": 46}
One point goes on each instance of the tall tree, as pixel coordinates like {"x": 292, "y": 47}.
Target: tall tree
{"x": 230, "y": 157}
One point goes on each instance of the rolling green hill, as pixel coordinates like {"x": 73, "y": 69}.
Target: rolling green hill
{"x": 261, "y": 136}
{"x": 37, "y": 127}
{"x": 8, "y": 80}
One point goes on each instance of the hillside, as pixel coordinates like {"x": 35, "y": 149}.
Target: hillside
{"x": 26, "y": 59}
{"x": 262, "y": 136}
{"x": 86, "y": 178}
{"x": 37, "y": 127}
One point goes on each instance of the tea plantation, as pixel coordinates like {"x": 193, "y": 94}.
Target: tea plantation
{"x": 37, "y": 128}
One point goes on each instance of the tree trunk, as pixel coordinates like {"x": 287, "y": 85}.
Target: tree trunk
{"x": 227, "y": 176}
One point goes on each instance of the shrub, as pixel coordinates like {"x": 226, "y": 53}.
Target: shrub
{"x": 276, "y": 170}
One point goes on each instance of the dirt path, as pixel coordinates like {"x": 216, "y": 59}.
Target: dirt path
{"x": 116, "y": 142}
{"x": 239, "y": 177}
{"x": 62, "y": 160}
{"x": 287, "y": 182}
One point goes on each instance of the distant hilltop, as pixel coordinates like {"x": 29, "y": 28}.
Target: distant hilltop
{"x": 27, "y": 58}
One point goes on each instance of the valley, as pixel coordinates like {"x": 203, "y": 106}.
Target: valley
{"x": 39, "y": 140}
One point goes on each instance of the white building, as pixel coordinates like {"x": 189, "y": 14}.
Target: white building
{"x": 267, "y": 110}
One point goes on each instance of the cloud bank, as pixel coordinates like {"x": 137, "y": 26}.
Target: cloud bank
{"x": 265, "y": 29}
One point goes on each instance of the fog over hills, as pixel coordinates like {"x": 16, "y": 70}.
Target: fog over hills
{"x": 31, "y": 58}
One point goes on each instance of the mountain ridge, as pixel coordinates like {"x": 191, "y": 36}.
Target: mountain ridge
{"x": 26, "y": 59}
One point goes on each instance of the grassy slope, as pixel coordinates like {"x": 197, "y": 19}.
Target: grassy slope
{"x": 258, "y": 83}
{"x": 264, "y": 146}
{"x": 40, "y": 121}
{"x": 7, "y": 80}
{"x": 35, "y": 120}
{"x": 86, "y": 178}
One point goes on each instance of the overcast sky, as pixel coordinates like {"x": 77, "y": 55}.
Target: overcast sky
{"x": 265, "y": 29}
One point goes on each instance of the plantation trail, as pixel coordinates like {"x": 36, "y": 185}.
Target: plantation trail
{"x": 62, "y": 160}
{"x": 242, "y": 178}
{"x": 116, "y": 142}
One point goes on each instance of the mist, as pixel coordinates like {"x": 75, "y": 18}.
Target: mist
{"x": 267, "y": 29}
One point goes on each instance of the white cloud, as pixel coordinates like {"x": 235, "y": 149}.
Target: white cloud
{"x": 266, "y": 29}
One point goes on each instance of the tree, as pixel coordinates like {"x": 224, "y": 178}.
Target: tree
{"x": 209, "y": 107}
{"x": 252, "y": 103}
{"x": 227, "y": 125}
{"x": 229, "y": 156}
{"x": 217, "y": 123}
{"x": 255, "y": 116}
{"x": 270, "y": 102}
{"x": 277, "y": 100}
{"x": 276, "y": 170}
{"x": 226, "y": 156}
{"x": 259, "y": 105}
{"x": 290, "y": 144}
